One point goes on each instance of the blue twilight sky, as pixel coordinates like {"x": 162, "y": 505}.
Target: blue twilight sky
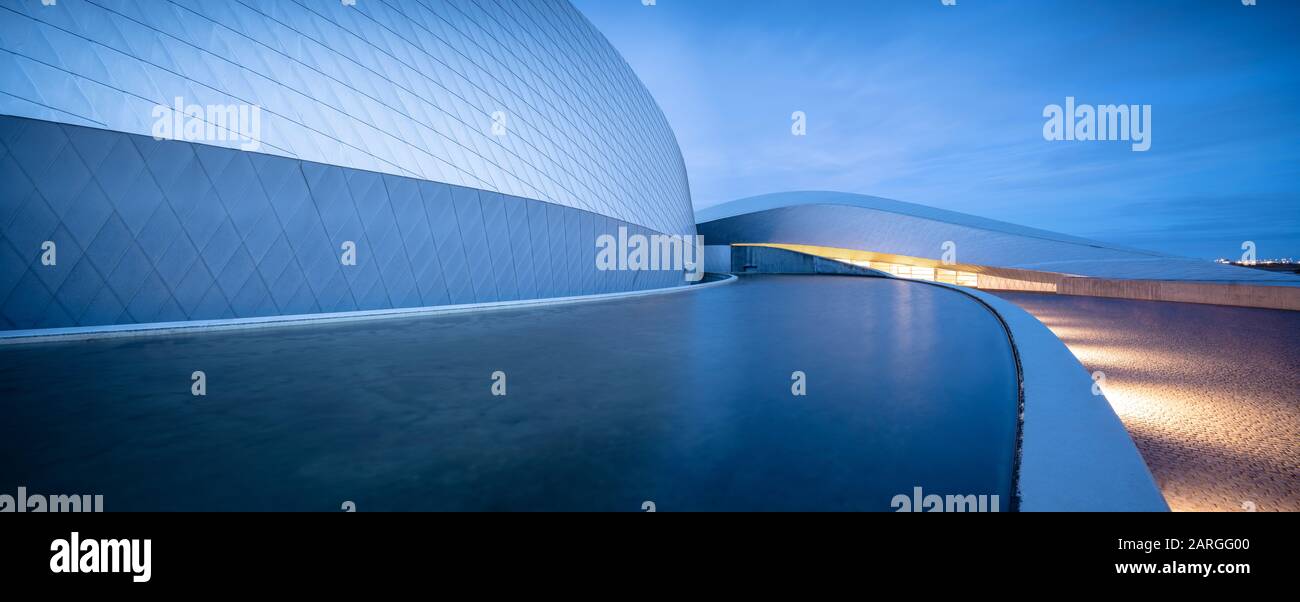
{"x": 942, "y": 105}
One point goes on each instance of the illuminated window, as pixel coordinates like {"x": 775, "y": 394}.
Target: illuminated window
{"x": 901, "y": 270}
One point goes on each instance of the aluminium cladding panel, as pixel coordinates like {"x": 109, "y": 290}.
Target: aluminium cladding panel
{"x": 149, "y": 231}
{"x": 525, "y": 98}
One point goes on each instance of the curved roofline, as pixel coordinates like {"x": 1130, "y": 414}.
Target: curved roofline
{"x": 795, "y": 198}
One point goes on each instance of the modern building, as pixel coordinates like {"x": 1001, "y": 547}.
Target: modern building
{"x": 919, "y": 242}
{"x": 196, "y": 161}
{"x": 164, "y": 162}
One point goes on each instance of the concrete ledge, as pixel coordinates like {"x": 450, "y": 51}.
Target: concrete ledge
{"x": 1263, "y": 294}
{"x": 82, "y": 333}
{"x": 1214, "y": 293}
{"x": 1075, "y": 454}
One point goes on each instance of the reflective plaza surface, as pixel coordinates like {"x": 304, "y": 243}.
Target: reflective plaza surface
{"x": 684, "y": 400}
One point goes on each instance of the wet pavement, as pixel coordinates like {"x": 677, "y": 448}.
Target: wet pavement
{"x": 1210, "y": 394}
{"x": 682, "y": 399}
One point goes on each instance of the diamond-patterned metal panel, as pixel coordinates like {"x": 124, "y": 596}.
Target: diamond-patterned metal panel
{"x": 222, "y": 233}
{"x": 469, "y": 215}
{"x": 561, "y": 270}
{"x": 575, "y": 255}
{"x": 539, "y": 251}
{"x": 446, "y": 236}
{"x": 498, "y": 237}
{"x": 520, "y": 240}
{"x": 403, "y": 88}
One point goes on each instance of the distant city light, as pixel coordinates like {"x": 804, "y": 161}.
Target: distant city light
{"x": 1280, "y": 261}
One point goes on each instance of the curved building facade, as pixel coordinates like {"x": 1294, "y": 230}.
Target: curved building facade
{"x": 201, "y": 160}
{"x": 916, "y": 241}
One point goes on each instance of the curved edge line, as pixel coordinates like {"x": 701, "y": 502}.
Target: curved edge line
{"x": 1020, "y": 386}
{"x": 86, "y": 333}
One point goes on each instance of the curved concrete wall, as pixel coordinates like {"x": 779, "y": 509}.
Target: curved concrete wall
{"x": 149, "y": 231}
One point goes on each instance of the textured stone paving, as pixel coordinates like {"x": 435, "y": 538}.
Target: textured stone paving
{"x": 1210, "y": 394}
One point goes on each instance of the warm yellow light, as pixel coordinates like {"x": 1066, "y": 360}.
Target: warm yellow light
{"x": 916, "y": 268}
